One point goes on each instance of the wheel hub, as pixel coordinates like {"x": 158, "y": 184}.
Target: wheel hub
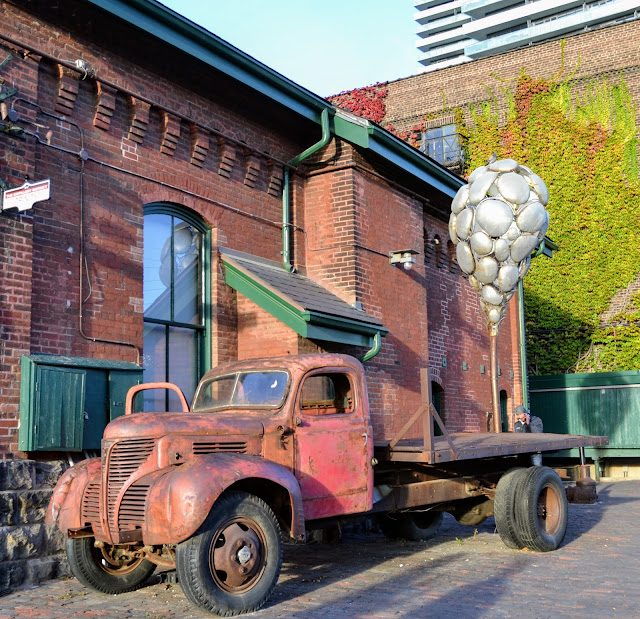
{"x": 549, "y": 510}
{"x": 244, "y": 554}
{"x": 114, "y": 561}
{"x": 237, "y": 558}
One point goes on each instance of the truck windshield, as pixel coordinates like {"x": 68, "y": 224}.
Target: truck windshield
{"x": 242, "y": 389}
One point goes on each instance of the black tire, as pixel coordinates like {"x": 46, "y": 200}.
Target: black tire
{"x": 504, "y": 507}
{"x": 104, "y": 569}
{"x": 541, "y": 509}
{"x": 231, "y": 565}
{"x": 414, "y": 526}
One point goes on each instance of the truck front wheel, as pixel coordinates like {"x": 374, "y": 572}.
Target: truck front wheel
{"x": 231, "y": 565}
{"x": 415, "y": 526}
{"x": 106, "y": 568}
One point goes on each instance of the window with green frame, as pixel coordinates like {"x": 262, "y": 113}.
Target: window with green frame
{"x": 176, "y": 304}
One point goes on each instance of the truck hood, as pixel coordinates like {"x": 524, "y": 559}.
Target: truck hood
{"x": 155, "y": 425}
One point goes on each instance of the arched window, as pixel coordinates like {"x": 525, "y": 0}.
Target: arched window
{"x": 176, "y": 304}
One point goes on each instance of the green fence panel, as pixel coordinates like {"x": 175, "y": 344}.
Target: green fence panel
{"x": 605, "y": 404}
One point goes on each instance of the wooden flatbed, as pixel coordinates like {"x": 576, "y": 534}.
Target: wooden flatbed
{"x": 473, "y": 445}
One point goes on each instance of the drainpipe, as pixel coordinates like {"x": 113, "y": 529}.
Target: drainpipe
{"x": 523, "y": 339}
{"x": 286, "y": 224}
{"x": 375, "y": 349}
{"x": 286, "y": 240}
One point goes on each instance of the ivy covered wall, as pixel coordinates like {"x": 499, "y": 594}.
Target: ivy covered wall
{"x": 580, "y": 137}
{"x": 583, "y": 144}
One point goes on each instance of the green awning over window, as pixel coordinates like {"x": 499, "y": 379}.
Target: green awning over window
{"x": 299, "y": 302}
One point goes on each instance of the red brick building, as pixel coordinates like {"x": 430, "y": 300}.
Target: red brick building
{"x": 203, "y": 208}
{"x": 606, "y": 52}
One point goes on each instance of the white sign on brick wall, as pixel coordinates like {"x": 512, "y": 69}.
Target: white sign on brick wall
{"x": 25, "y": 196}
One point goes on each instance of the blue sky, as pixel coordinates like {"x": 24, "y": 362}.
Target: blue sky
{"x": 326, "y": 46}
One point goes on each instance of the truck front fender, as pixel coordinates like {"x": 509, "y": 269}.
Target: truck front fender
{"x": 180, "y": 499}
{"x": 65, "y": 504}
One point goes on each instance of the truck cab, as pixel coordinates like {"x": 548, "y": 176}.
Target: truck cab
{"x": 290, "y": 437}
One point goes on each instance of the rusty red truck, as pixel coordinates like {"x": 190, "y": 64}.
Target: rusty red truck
{"x": 278, "y": 447}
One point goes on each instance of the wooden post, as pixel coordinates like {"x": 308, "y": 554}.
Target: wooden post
{"x": 427, "y": 419}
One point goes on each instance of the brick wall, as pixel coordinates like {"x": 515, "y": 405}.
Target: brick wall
{"x": 612, "y": 52}
{"x": 150, "y": 130}
{"x": 353, "y": 218}
{"x": 458, "y": 335}
{"x": 224, "y": 163}
{"x": 87, "y": 240}
{"x": 16, "y": 257}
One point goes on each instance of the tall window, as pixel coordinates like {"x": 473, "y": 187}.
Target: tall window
{"x": 443, "y": 145}
{"x": 175, "y": 303}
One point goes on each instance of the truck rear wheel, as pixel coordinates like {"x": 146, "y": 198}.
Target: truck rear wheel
{"x": 231, "y": 565}
{"x": 106, "y": 569}
{"x": 504, "y": 507}
{"x": 415, "y": 526}
{"x": 541, "y": 509}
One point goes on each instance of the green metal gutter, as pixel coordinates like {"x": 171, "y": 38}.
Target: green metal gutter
{"x": 547, "y": 247}
{"x": 183, "y": 34}
{"x": 286, "y": 236}
{"x": 178, "y": 32}
{"x": 375, "y": 349}
{"x": 361, "y": 132}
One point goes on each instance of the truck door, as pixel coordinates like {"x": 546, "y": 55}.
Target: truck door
{"x": 333, "y": 445}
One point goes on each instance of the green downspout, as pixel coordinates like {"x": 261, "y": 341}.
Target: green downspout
{"x": 375, "y": 349}
{"x": 523, "y": 337}
{"x": 286, "y": 224}
{"x": 324, "y": 140}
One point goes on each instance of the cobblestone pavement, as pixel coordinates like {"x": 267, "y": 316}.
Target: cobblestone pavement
{"x": 464, "y": 572}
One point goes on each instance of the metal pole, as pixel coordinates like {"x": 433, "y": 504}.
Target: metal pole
{"x": 523, "y": 347}
{"x": 495, "y": 393}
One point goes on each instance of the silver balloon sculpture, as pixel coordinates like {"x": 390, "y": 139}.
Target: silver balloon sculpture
{"x": 497, "y": 221}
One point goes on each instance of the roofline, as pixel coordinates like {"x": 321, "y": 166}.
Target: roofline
{"x": 194, "y": 40}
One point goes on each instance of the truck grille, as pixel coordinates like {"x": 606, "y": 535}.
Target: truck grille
{"x": 91, "y": 506}
{"x": 209, "y": 447}
{"x": 131, "y": 515}
{"x": 125, "y": 459}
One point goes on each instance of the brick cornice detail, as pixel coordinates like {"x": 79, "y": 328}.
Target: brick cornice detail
{"x": 138, "y": 120}
{"x": 251, "y": 168}
{"x": 275, "y": 174}
{"x": 226, "y": 157}
{"x": 199, "y": 145}
{"x": 170, "y": 134}
{"x": 106, "y": 96}
{"x": 67, "y": 93}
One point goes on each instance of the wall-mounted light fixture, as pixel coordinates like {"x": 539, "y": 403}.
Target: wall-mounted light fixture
{"x": 404, "y": 257}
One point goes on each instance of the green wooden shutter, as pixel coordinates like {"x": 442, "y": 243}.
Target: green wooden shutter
{"x": 95, "y": 408}
{"x": 59, "y": 408}
{"x": 119, "y": 383}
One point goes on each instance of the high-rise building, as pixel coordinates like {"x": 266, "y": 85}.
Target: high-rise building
{"x": 456, "y": 31}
